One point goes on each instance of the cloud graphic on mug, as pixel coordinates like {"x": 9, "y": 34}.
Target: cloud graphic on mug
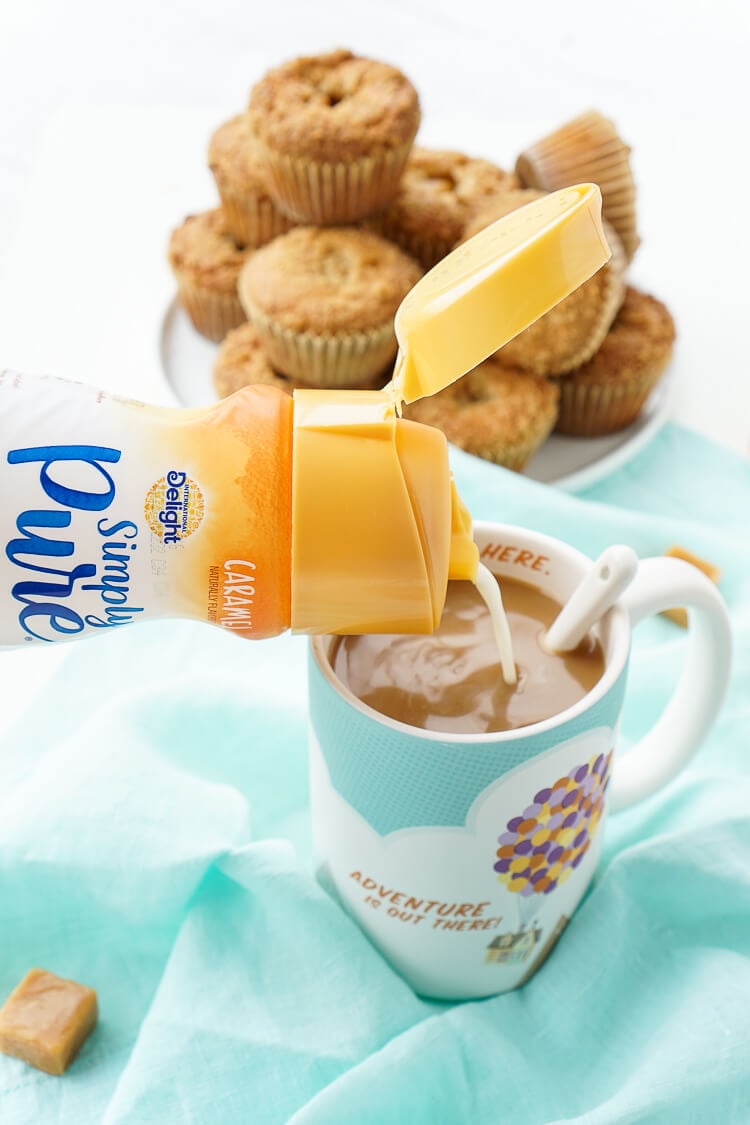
{"x": 454, "y": 863}
{"x": 542, "y": 846}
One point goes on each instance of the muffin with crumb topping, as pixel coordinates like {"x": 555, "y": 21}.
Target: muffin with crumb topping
{"x": 241, "y": 361}
{"x": 440, "y": 192}
{"x": 251, "y": 216}
{"x": 609, "y": 391}
{"x": 496, "y": 412}
{"x": 334, "y": 131}
{"x": 323, "y": 301}
{"x": 206, "y": 263}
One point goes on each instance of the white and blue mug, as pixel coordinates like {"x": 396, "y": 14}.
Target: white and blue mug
{"x": 463, "y": 856}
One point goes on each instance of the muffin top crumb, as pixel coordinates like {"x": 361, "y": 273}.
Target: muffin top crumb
{"x": 327, "y": 280}
{"x": 241, "y": 361}
{"x": 334, "y": 107}
{"x": 639, "y": 341}
{"x": 440, "y": 192}
{"x": 494, "y": 405}
{"x": 233, "y": 162}
{"x": 201, "y": 251}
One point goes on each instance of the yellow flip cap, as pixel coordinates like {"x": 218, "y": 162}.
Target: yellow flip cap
{"x": 371, "y": 516}
{"x": 377, "y": 525}
{"x": 493, "y": 286}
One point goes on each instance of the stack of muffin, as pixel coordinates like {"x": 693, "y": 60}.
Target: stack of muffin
{"x": 329, "y": 215}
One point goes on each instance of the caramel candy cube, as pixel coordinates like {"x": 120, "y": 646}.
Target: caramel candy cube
{"x": 678, "y": 614}
{"x": 46, "y": 1020}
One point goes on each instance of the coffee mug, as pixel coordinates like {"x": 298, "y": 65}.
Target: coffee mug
{"x": 463, "y": 856}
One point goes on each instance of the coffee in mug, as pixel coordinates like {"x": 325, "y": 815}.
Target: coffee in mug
{"x": 450, "y": 680}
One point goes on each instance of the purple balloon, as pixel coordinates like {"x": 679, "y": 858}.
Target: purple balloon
{"x": 540, "y": 849}
{"x": 523, "y": 847}
{"x": 542, "y": 796}
{"x": 548, "y": 890}
{"x": 537, "y": 876}
{"x": 571, "y": 820}
{"x": 580, "y": 773}
{"x": 513, "y": 825}
{"x": 502, "y": 865}
{"x": 507, "y": 838}
{"x": 598, "y": 763}
{"x": 577, "y": 859}
{"x": 570, "y": 798}
{"x": 555, "y": 854}
{"x": 580, "y": 838}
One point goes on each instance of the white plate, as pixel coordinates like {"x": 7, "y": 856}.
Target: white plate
{"x": 567, "y": 462}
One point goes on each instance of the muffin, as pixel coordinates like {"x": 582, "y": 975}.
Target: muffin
{"x": 587, "y": 149}
{"x": 250, "y": 214}
{"x": 439, "y": 194}
{"x": 242, "y": 361}
{"x": 334, "y": 131}
{"x": 496, "y": 412}
{"x": 206, "y": 263}
{"x": 609, "y": 391}
{"x": 323, "y": 301}
{"x": 570, "y": 333}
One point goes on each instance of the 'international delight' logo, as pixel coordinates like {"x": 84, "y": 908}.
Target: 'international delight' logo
{"x": 48, "y": 592}
{"x": 174, "y": 507}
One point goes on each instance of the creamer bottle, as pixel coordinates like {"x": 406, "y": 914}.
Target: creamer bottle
{"x": 323, "y": 512}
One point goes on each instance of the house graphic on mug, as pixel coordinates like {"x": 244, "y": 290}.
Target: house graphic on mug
{"x": 514, "y": 948}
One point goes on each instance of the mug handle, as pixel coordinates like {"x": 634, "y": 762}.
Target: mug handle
{"x": 664, "y": 584}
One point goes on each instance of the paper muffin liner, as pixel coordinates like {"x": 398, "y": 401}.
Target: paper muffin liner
{"x": 342, "y": 359}
{"x": 611, "y": 299}
{"x": 252, "y": 221}
{"x": 587, "y": 149}
{"x": 596, "y": 409}
{"x": 213, "y": 314}
{"x": 328, "y": 194}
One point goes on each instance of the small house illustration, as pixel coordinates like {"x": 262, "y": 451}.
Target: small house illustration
{"x": 514, "y": 948}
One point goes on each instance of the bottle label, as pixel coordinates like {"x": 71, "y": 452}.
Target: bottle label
{"x": 75, "y": 542}
{"x": 112, "y": 512}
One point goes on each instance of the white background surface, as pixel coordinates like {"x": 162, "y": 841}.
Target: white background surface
{"x": 89, "y": 189}
{"x": 106, "y": 110}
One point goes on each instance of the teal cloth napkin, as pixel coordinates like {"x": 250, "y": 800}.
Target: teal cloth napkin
{"x": 154, "y": 843}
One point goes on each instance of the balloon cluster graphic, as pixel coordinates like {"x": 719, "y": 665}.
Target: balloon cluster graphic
{"x": 541, "y": 849}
